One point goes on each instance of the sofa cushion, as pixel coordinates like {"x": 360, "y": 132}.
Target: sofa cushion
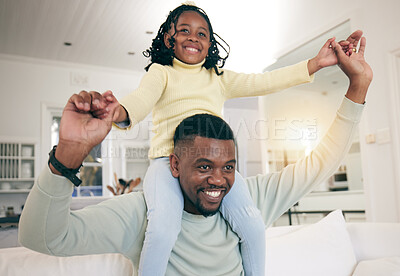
{"x": 21, "y": 261}
{"x": 383, "y": 266}
{"x": 323, "y": 248}
{"x": 375, "y": 240}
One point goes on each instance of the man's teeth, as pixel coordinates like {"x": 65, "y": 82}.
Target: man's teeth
{"x": 213, "y": 193}
{"x": 192, "y": 49}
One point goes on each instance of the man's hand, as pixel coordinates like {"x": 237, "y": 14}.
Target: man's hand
{"x": 327, "y": 57}
{"x": 351, "y": 42}
{"x": 357, "y": 69}
{"x": 105, "y": 103}
{"x": 81, "y": 129}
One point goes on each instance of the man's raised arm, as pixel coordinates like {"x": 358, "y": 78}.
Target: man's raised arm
{"x": 275, "y": 193}
{"x": 46, "y": 223}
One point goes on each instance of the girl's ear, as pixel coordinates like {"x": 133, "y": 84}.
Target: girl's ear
{"x": 167, "y": 37}
{"x": 174, "y": 164}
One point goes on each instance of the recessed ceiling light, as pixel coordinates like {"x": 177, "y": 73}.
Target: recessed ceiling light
{"x": 149, "y": 32}
{"x": 67, "y": 43}
{"x": 131, "y": 53}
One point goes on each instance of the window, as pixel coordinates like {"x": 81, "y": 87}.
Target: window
{"x": 92, "y": 170}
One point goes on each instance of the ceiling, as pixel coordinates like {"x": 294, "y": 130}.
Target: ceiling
{"x": 101, "y": 32}
{"x": 104, "y": 32}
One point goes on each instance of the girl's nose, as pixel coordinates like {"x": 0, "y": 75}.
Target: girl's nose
{"x": 193, "y": 37}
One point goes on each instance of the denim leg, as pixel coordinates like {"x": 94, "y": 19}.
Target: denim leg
{"x": 164, "y": 214}
{"x": 245, "y": 220}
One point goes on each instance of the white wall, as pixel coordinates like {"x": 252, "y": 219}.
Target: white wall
{"x": 244, "y": 123}
{"x": 290, "y": 113}
{"x": 26, "y": 83}
{"x": 300, "y": 20}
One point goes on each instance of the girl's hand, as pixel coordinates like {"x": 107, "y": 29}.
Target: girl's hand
{"x": 100, "y": 103}
{"x": 112, "y": 106}
{"x": 103, "y": 104}
{"x": 92, "y": 102}
{"x": 327, "y": 57}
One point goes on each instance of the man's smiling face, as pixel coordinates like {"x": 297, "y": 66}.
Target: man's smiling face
{"x": 205, "y": 168}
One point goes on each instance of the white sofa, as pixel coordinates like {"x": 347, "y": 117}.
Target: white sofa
{"x": 333, "y": 247}
{"x": 329, "y": 247}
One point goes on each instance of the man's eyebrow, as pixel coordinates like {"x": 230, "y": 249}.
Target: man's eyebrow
{"x": 201, "y": 160}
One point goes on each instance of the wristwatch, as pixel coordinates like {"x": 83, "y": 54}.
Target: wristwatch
{"x": 68, "y": 173}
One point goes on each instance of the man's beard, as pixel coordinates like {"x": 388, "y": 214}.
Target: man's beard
{"x": 204, "y": 211}
{"x": 200, "y": 207}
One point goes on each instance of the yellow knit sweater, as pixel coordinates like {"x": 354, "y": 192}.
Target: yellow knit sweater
{"x": 182, "y": 90}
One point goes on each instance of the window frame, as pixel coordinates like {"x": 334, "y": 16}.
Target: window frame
{"x": 50, "y": 110}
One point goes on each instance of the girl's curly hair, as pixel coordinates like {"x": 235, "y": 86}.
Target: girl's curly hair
{"x": 159, "y": 53}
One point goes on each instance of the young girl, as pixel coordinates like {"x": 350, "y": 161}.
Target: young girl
{"x": 185, "y": 78}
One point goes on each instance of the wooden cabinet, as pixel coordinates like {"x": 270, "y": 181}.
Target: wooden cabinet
{"x": 17, "y": 166}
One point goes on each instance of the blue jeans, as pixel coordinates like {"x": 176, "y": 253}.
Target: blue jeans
{"x": 164, "y": 201}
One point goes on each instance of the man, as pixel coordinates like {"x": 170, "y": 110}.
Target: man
{"x": 204, "y": 163}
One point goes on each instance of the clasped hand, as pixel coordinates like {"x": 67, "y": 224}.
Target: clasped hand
{"x": 86, "y": 120}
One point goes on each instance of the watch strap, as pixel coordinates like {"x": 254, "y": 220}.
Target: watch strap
{"x": 66, "y": 172}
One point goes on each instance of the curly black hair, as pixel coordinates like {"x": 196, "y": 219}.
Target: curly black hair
{"x": 161, "y": 54}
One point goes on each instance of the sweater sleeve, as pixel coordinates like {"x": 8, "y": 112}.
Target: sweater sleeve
{"x": 140, "y": 102}
{"x": 246, "y": 85}
{"x": 48, "y": 226}
{"x": 275, "y": 193}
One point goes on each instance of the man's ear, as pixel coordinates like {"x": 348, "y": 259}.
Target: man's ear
{"x": 174, "y": 165}
{"x": 167, "y": 37}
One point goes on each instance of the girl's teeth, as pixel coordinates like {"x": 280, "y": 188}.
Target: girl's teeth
{"x": 192, "y": 49}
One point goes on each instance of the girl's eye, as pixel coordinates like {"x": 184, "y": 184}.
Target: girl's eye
{"x": 202, "y": 34}
{"x": 229, "y": 168}
{"x": 184, "y": 31}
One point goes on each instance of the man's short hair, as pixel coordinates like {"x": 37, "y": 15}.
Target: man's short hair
{"x": 203, "y": 125}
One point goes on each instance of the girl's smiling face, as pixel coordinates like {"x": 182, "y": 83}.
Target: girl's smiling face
{"x": 192, "y": 38}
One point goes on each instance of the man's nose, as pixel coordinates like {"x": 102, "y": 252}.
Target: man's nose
{"x": 216, "y": 178}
